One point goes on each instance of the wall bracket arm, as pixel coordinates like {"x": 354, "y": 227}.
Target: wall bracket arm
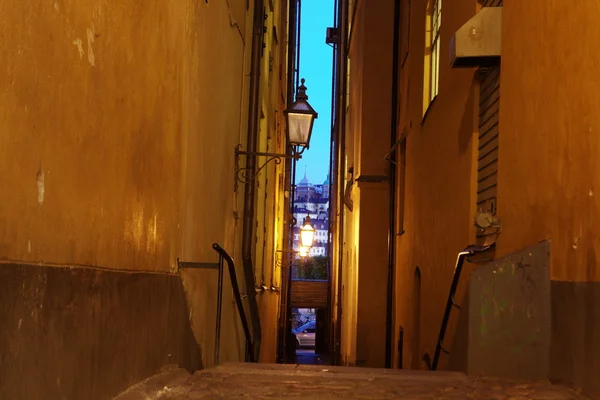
{"x": 242, "y": 173}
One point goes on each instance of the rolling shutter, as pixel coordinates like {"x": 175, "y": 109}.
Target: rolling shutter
{"x": 491, "y": 3}
{"x": 309, "y": 294}
{"x": 487, "y": 163}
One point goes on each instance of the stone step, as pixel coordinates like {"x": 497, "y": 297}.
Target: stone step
{"x": 274, "y": 381}
{"x": 157, "y": 386}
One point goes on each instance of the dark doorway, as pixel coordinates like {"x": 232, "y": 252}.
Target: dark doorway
{"x": 310, "y": 336}
{"x": 322, "y": 334}
{"x": 416, "y": 323}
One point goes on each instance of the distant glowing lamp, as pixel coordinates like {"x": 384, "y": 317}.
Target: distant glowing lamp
{"x": 303, "y": 251}
{"x": 307, "y": 233}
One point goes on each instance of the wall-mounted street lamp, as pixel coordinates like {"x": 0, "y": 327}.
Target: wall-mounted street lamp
{"x": 300, "y": 118}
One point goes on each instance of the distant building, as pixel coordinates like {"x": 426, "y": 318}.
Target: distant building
{"x": 312, "y": 200}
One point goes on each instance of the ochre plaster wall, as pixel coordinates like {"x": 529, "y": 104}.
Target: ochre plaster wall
{"x": 118, "y": 125}
{"x": 350, "y": 250}
{"x": 547, "y": 181}
{"x": 439, "y": 202}
{"x": 91, "y": 126}
{"x": 269, "y": 196}
{"x": 548, "y": 170}
{"x": 368, "y": 133}
{"x": 372, "y": 275}
{"x": 549, "y": 175}
{"x": 349, "y": 283}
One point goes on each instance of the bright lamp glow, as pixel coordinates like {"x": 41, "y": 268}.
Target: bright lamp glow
{"x": 300, "y": 119}
{"x": 307, "y": 233}
{"x": 303, "y": 251}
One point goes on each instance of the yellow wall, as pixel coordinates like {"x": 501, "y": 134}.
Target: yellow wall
{"x": 547, "y": 178}
{"x": 548, "y": 164}
{"x": 546, "y": 173}
{"x": 85, "y": 92}
{"x": 269, "y": 196}
{"x": 548, "y": 168}
{"x": 349, "y": 281}
{"x": 126, "y": 117}
{"x": 372, "y": 274}
{"x": 439, "y": 202}
{"x": 368, "y": 141}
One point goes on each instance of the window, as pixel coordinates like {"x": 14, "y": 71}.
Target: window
{"x": 436, "y": 20}
{"x": 432, "y": 53}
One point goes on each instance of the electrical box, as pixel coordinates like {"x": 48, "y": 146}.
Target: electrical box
{"x": 478, "y": 43}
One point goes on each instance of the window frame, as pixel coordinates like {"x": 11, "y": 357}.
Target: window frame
{"x": 431, "y": 67}
{"x": 434, "y": 45}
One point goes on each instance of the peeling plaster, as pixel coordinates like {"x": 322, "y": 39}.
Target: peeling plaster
{"x": 77, "y": 42}
{"x": 40, "y": 185}
{"x": 90, "y": 41}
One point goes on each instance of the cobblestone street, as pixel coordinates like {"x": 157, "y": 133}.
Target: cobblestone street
{"x": 268, "y": 381}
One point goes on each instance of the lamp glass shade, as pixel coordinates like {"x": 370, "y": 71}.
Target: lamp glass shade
{"x": 307, "y": 235}
{"x": 299, "y": 128}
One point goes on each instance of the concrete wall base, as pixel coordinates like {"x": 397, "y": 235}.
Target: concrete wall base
{"x": 83, "y": 333}
{"x": 508, "y": 318}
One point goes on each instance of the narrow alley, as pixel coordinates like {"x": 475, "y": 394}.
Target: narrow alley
{"x": 315, "y": 199}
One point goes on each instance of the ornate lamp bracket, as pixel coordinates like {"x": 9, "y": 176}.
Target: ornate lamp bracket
{"x": 243, "y": 175}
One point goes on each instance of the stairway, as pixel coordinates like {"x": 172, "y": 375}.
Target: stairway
{"x": 277, "y": 381}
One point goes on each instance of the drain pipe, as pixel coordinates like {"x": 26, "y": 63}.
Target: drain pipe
{"x": 249, "y": 192}
{"x": 392, "y": 221}
{"x": 332, "y": 181}
{"x": 342, "y": 58}
{"x": 284, "y": 328}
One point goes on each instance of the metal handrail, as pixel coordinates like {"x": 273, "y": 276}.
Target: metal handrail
{"x": 238, "y": 300}
{"x": 451, "y": 302}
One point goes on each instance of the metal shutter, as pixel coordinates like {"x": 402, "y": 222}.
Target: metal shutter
{"x": 491, "y": 3}
{"x": 487, "y": 167}
{"x": 309, "y": 294}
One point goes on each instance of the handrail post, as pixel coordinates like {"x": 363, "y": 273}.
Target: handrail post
{"x": 219, "y": 306}
{"x": 469, "y": 251}
{"x": 238, "y": 299}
